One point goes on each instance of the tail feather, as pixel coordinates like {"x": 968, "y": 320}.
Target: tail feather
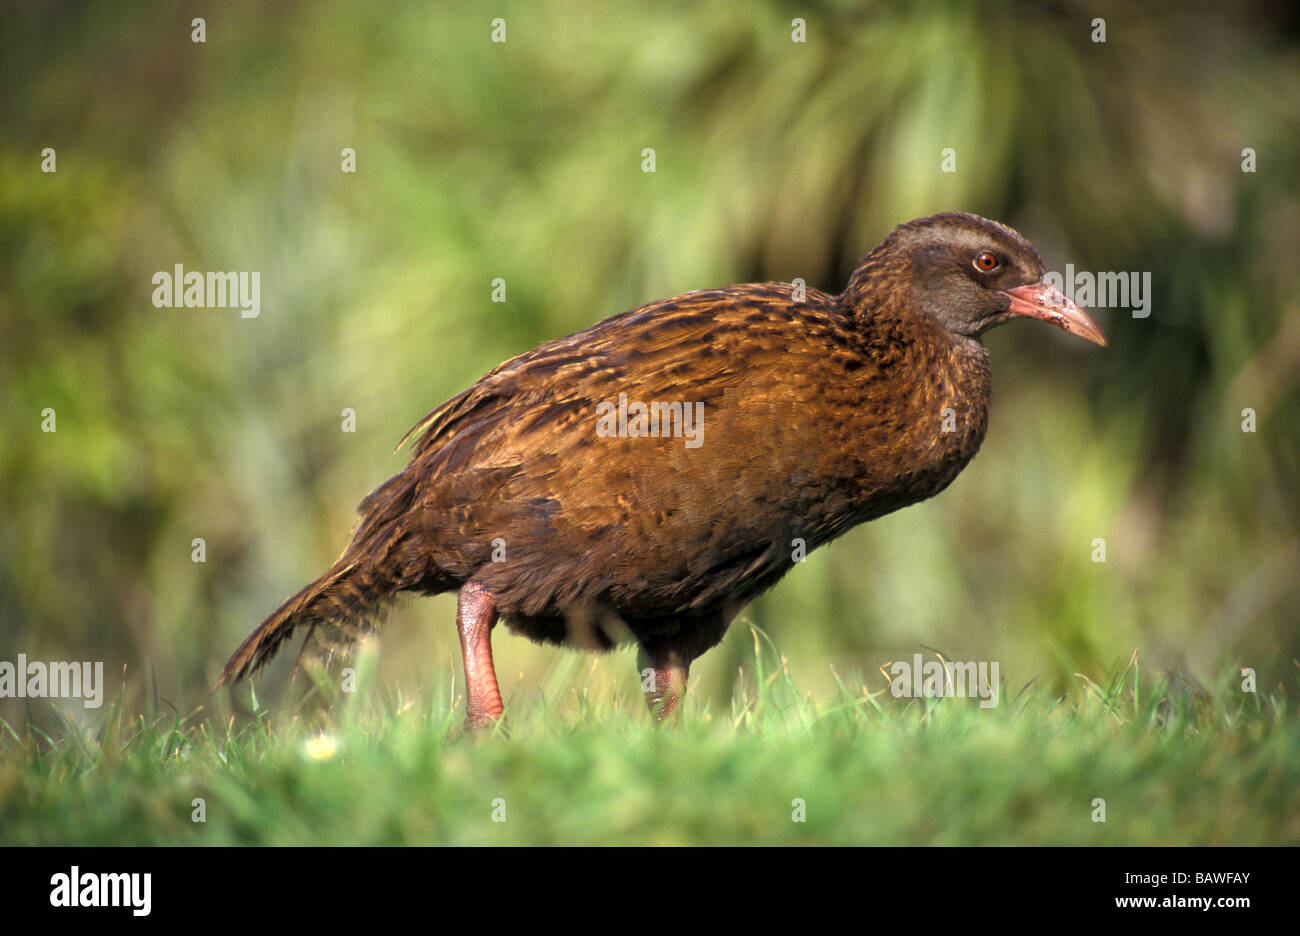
{"x": 386, "y": 555}
{"x": 336, "y": 609}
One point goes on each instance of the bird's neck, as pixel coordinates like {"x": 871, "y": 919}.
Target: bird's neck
{"x": 926, "y": 406}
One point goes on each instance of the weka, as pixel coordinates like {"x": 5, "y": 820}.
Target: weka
{"x": 644, "y": 479}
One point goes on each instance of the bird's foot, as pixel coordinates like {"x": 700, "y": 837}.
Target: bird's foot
{"x": 480, "y": 726}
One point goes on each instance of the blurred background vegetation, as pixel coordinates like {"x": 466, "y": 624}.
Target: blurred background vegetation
{"x": 523, "y": 160}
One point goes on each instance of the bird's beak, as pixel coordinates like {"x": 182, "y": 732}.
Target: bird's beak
{"x": 1044, "y": 301}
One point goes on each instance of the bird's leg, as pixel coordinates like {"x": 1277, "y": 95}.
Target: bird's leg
{"x": 476, "y": 612}
{"x": 663, "y": 680}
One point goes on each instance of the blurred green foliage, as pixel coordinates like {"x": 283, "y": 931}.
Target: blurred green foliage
{"x": 522, "y": 160}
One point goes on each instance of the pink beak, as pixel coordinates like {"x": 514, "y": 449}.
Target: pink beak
{"x": 1043, "y": 301}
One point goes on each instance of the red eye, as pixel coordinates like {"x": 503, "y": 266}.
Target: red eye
{"x": 986, "y": 262}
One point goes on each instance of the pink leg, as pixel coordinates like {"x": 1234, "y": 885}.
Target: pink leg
{"x": 665, "y": 685}
{"x": 475, "y": 615}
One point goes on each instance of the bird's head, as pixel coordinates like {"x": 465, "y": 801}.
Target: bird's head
{"x": 969, "y": 274}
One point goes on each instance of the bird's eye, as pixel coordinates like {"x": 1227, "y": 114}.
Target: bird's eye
{"x": 986, "y": 262}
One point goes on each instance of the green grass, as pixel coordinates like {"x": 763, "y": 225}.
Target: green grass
{"x": 1174, "y": 765}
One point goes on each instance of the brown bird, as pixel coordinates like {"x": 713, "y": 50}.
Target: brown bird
{"x": 644, "y": 479}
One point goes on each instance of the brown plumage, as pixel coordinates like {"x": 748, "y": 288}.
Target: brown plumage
{"x": 528, "y": 495}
